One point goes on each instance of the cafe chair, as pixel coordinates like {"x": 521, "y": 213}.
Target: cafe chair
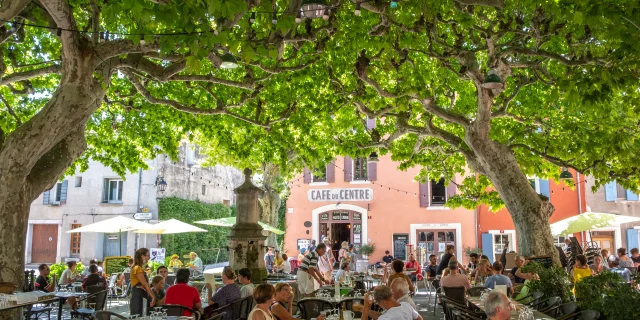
{"x": 582, "y": 315}
{"x": 547, "y": 304}
{"x": 455, "y": 293}
{"x": 241, "y": 308}
{"x": 177, "y": 310}
{"x": 37, "y": 310}
{"x": 348, "y": 305}
{"x": 531, "y": 299}
{"x": 96, "y": 300}
{"x": 476, "y": 291}
{"x": 311, "y": 307}
{"x": 108, "y": 315}
{"x": 219, "y": 316}
{"x": 562, "y": 310}
{"x": 435, "y": 285}
{"x": 171, "y": 279}
{"x": 455, "y": 310}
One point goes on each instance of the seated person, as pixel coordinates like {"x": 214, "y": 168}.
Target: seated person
{"x": 598, "y": 265}
{"x": 398, "y": 267}
{"x": 94, "y": 279}
{"x": 244, "y": 278}
{"x": 100, "y": 267}
{"x": 394, "y": 310}
{"x": 580, "y": 269}
{"x": 455, "y": 279}
{"x": 285, "y": 266}
{"x": 623, "y": 272}
{"x": 263, "y": 297}
{"x": 183, "y": 294}
{"x": 86, "y": 272}
{"x": 497, "y": 306}
{"x": 388, "y": 258}
{"x": 195, "y": 263}
{"x": 414, "y": 266}
{"x": 483, "y": 271}
{"x": 432, "y": 267}
{"x": 175, "y": 262}
{"x": 69, "y": 275}
{"x": 42, "y": 281}
{"x": 157, "y": 287}
{"x": 164, "y": 272}
{"x": 126, "y": 270}
{"x": 498, "y": 278}
{"x": 344, "y": 271}
{"x": 282, "y": 307}
{"x": 519, "y": 260}
{"x": 228, "y": 293}
{"x": 400, "y": 291}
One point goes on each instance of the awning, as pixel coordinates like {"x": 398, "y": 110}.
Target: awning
{"x": 588, "y": 221}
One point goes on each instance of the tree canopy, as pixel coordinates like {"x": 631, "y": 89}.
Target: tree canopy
{"x": 302, "y": 92}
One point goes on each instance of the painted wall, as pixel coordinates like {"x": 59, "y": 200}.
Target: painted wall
{"x": 389, "y": 212}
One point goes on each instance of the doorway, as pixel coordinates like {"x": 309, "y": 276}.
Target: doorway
{"x": 44, "y": 244}
{"x": 604, "y": 239}
{"x": 434, "y": 242}
{"x": 340, "y": 232}
{"x": 112, "y": 242}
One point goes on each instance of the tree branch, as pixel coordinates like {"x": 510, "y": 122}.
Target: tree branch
{"x": 10, "y": 110}
{"x": 61, "y": 12}
{"x": 555, "y": 160}
{"x": 430, "y": 106}
{"x": 26, "y": 75}
{"x": 11, "y": 8}
{"x": 484, "y": 3}
{"x": 550, "y": 55}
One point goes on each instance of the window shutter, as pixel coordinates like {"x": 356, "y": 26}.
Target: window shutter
{"x": 105, "y": 194}
{"x": 423, "y": 193}
{"x": 610, "y": 193}
{"x": 631, "y": 196}
{"x": 331, "y": 172}
{"x": 45, "y": 197}
{"x": 348, "y": 169}
{"x": 306, "y": 178}
{"x": 451, "y": 188}
{"x": 63, "y": 192}
{"x": 487, "y": 246}
{"x": 371, "y": 123}
{"x": 632, "y": 238}
{"x": 545, "y": 188}
{"x": 372, "y": 171}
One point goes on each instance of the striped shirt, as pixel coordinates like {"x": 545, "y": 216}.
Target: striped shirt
{"x": 310, "y": 261}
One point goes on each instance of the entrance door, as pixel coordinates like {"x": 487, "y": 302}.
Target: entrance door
{"x": 604, "y": 239}
{"x": 434, "y": 242}
{"x": 44, "y": 243}
{"x": 111, "y": 242}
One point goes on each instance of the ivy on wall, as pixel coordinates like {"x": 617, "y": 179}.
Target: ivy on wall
{"x": 203, "y": 243}
{"x": 282, "y": 217}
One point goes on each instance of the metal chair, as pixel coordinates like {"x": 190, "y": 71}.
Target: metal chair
{"x": 178, "y": 310}
{"x": 311, "y": 307}
{"x": 112, "y": 287}
{"x": 562, "y": 310}
{"x": 435, "y": 285}
{"x": 582, "y": 315}
{"x": 97, "y": 297}
{"x": 241, "y": 308}
{"x": 35, "y": 311}
{"x": 171, "y": 279}
{"x": 108, "y": 315}
{"x": 531, "y": 298}
{"x": 455, "y": 293}
{"x": 219, "y": 316}
{"x": 547, "y": 304}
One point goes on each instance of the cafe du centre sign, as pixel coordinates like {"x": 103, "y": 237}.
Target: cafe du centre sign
{"x": 346, "y": 194}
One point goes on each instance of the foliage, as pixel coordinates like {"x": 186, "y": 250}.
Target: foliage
{"x": 282, "y": 219}
{"x": 469, "y": 250}
{"x": 553, "y": 282}
{"x": 605, "y": 294}
{"x": 200, "y": 242}
{"x": 367, "y": 249}
{"x": 154, "y": 266}
{"x": 57, "y": 269}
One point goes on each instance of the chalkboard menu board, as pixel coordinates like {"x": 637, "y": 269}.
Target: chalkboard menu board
{"x": 115, "y": 264}
{"x": 400, "y": 240}
{"x": 545, "y": 261}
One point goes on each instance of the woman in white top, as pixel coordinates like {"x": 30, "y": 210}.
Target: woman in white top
{"x": 69, "y": 275}
{"x": 343, "y": 253}
{"x": 263, "y": 295}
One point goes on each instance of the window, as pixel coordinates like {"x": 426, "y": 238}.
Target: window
{"x": 558, "y": 241}
{"x": 438, "y": 192}
{"x": 621, "y": 192}
{"x": 75, "y": 240}
{"x": 226, "y": 202}
{"x": 204, "y": 189}
{"x": 58, "y": 193}
{"x": 360, "y": 169}
{"x": 319, "y": 175}
{"x": 535, "y": 184}
{"x": 78, "y": 182}
{"x": 113, "y": 190}
{"x": 499, "y": 241}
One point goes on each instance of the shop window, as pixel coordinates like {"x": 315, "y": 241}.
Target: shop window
{"x": 438, "y": 192}
{"x": 360, "y": 169}
{"x": 319, "y": 175}
{"x": 75, "y": 240}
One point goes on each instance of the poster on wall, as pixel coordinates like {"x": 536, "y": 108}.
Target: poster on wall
{"x": 157, "y": 255}
{"x": 335, "y": 216}
{"x": 357, "y": 228}
{"x": 441, "y": 246}
{"x": 324, "y": 216}
{"x": 345, "y": 216}
{"x": 356, "y": 238}
{"x": 357, "y": 216}
{"x": 303, "y": 243}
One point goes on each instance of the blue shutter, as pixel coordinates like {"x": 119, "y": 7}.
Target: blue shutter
{"x": 45, "y": 197}
{"x": 544, "y": 188}
{"x": 632, "y": 238}
{"x": 487, "y": 245}
{"x": 610, "y": 191}
{"x": 63, "y": 191}
{"x": 631, "y": 196}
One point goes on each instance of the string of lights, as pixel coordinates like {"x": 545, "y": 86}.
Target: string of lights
{"x": 309, "y": 10}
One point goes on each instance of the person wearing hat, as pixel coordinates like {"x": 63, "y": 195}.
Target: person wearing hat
{"x": 196, "y": 262}
{"x": 175, "y": 262}
{"x": 303, "y": 251}
{"x": 455, "y": 278}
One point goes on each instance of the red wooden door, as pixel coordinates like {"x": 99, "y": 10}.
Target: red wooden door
{"x": 44, "y": 243}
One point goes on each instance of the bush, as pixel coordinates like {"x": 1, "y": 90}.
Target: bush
{"x": 367, "y": 249}
{"x": 57, "y": 269}
{"x": 605, "y": 294}
{"x": 200, "y": 242}
{"x": 553, "y": 282}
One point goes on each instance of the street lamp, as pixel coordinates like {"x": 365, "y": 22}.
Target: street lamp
{"x": 314, "y": 8}
{"x": 161, "y": 184}
{"x": 373, "y": 157}
{"x": 566, "y": 175}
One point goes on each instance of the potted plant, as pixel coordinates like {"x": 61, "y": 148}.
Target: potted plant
{"x": 365, "y": 251}
{"x": 468, "y": 251}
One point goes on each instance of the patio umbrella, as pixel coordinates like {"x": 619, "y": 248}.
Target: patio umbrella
{"x": 169, "y": 227}
{"x": 230, "y": 221}
{"x": 588, "y": 221}
{"x": 113, "y": 225}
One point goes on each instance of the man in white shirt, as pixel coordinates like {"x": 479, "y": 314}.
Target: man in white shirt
{"x": 393, "y": 309}
{"x": 497, "y": 306}
{"x": 400, "y": 289}
{"x": 325, "y": 265}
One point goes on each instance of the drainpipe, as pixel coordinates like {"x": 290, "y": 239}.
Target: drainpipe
{"x": 138, "y": 203}
{"x": 584, "y": 239}
{"x": 475, "y": 222}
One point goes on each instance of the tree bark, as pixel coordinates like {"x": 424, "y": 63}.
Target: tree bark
{"x": 270, "y": 201}
{"x": 530, "y": 211}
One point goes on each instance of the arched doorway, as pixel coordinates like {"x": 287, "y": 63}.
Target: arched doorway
{"x": 342, "y": 222}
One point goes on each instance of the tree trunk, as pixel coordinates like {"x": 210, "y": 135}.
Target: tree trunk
{"x": 530, "y": 211}
{"x": 270, "y": 201}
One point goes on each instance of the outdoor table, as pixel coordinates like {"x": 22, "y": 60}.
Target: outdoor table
{"x": 26, "y": 304}
{"x": 62, "y": 298}
{"x": 514, "y": 314}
